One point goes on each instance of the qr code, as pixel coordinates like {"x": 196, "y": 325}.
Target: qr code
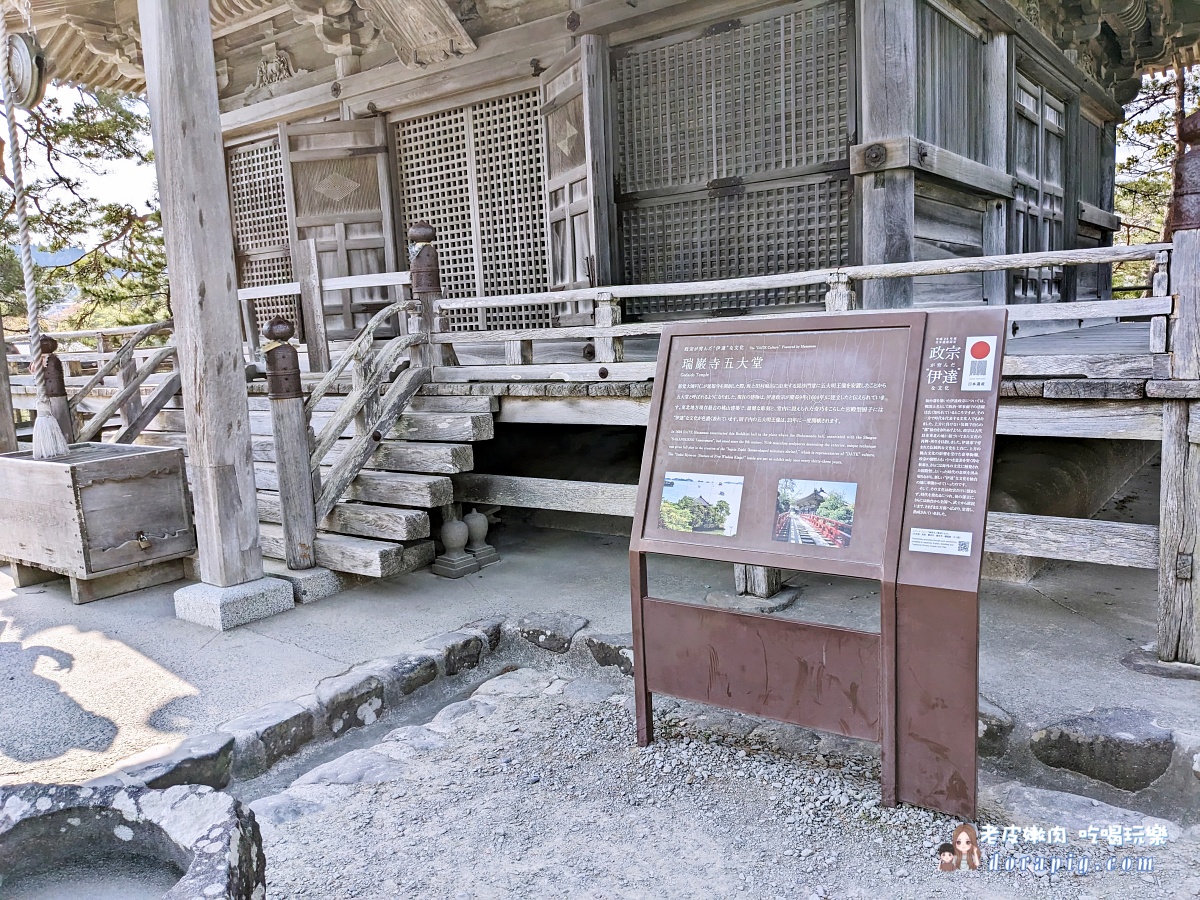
{"x": 964, "y": 546}
{"x": 978, "y": 367}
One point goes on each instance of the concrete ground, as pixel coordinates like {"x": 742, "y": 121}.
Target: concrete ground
{"x": 82, "y": 687}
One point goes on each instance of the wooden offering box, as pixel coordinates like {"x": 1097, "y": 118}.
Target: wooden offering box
{"x": 111, "y": 517}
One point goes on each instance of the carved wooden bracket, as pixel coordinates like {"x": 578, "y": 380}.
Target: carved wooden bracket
{"x": 119, "y": 44}
{"x": 420, "y": 31}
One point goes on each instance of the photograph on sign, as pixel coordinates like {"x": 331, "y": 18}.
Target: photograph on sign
{"x": 816, "y": 513}
{"x": 701, "y": 504}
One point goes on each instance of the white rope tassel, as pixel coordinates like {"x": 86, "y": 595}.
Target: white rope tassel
{"x": 48, "y": 439}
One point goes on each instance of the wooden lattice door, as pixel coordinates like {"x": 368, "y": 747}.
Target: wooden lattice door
{"x": 575, "y": 103}
{"x": 339, "y": 193}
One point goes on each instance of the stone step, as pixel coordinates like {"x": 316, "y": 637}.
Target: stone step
{"x": 356, "y": 555}
{"x": 391, "y": 488}
{"x": 395, "y": 456}
{"x": 361, "y": 519}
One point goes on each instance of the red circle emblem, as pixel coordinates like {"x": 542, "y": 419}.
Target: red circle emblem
{"x": 981, "y": 350}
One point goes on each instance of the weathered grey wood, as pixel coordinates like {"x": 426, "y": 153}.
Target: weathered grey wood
{"x": 424, "y": 403}
{"x": 1185, "y": 323}
{"x": 365, "y": 444}
{"x": 312, "y": 304}
{"x": 290, "y": 428}
{"x": 163, "y": 394}
{"x": 1091, "y": 366}
{"x": 1158, "y": 334}
{"x": 1179, "y": 513}
{"x": 910, "y": 153}
{"x": 189, "y": 155}
{"x": 596, "y": 77}
{"x": 361, "y": 519}
{"x": 540, "y": 372}
{"x": 546, "y": 493}
{"x": 27, "y": 576}
{"x": 997, "y": 106}
{"x": 60, "y": 409}
{"x": 443, "y": 427}
{"x": 1022, "y": 387}
{"x": 518, "y": 353}
{"x": 1173, "y": 390}
{"x": 371, "y": 486}
{"x": 1094, "y": 389}
{"x": 151, "y": 575}
{"x": 128, "y": 373}
{"x": 1041, "y": 259}
{"x": 608, "y": 314}
{"x": 8, "y": 430}
{"x": 128, "y": 389}
{"x": 395, "y": 456}
{"x": 1080, "y": 540}
{"x": 356, "y": 555}
{"x": 1116, "y": 419}
{"x": 757, "y": 581}
{"x": 1102, "y": 219}
{"x": 124, "y": 352}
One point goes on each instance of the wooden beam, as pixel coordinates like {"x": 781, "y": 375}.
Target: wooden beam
{"x": 565, "y": 372}
{"x": 575, "y": 410}
{"x": 357, "y": 555}
{"x": 1108, "y": 365}
{"x": 361, "y": 519}
{"x": 189, "y": 155}
{"x": 912, "y": 153}
{"x": 165, "y": 392}
{"x": 1079, "y": 540}
{"x": 997, "y": 93}
{"x": 546, "y": 493}
{"x": 1115, "y": 419}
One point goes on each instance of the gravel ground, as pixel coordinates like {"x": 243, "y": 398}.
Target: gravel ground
{"x": 534, "y": 787}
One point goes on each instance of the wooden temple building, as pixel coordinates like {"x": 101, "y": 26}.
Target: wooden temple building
{"x": 592, "y": 170}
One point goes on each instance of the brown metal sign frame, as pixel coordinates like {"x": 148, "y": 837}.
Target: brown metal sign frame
{"x": 913, "y": 686}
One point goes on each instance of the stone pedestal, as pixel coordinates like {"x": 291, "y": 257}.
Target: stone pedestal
{"x": 456, "y": 561}
{"x": 308, "y": 585}
{"x": 224, "y": 608}
{"x": 477, "y": 528}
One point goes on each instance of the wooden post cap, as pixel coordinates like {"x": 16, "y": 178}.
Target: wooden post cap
{"x": 421, "y": 233}
{"x": 279, "y": 329}
{"x": 47, "y": 344}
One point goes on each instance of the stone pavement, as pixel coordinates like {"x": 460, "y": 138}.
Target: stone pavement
{"x": 84, "y": 687}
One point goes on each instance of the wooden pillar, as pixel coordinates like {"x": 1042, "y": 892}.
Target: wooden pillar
{"x": 312, "y": 305}
{"x": 190, "y": 159}
{"x": 426, "y": 290}
{"x": 757, "y": 581}
{"x": 997, "y": 94}
{"x": 8, "y": 427}
{"x": 888, "y": 89}
{"x": 1179, "y": 504}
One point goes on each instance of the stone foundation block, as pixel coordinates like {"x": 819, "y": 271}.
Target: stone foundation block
{"x": 490, "y": 629}
{"x": 455, "y": 651}
{"x": 308, "y": 585}
{"x": 400, "y": 675}
{"x": 266, "y": 735}
{"x": 551, "y": 631}
{"x": 205, "y": 760}
{"x": 223, "y": 608}
{"x": 350, "y": 700}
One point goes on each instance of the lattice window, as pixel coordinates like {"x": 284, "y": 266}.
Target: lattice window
{"x": 950, "y": 84}
{"x": 783, "y": 229}
{"x": 1040, "y": 124}
{"x": 732, "y": 154}
{"x": 475, "y": 173}
{"x": 260, "y": 228}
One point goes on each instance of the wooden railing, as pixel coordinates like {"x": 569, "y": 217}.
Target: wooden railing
{"x": 608, "y": 333}
{"x": 133, "y": 354}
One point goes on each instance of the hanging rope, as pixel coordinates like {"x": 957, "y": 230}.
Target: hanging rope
{"x": 48, "y": 439}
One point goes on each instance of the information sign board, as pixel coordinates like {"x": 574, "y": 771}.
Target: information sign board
{"x": 857, "y": 444}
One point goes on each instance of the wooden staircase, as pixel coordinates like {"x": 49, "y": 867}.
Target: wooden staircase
{"x": 381, "y": 527}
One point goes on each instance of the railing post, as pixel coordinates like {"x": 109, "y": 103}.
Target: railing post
{"x": 426, "y": 288}
{"x": 1179, "y": 504}
{"x": 56, "y": 388}
{"x": 312, "y": 305}
{"x": 289, "y": 425}
{"x": 608, "y": 314}
{"x": 840, "y": 297}
{"x": 128, "y": 374}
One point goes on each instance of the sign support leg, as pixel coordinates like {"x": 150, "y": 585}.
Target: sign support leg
{"x": 643, "y": 700}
